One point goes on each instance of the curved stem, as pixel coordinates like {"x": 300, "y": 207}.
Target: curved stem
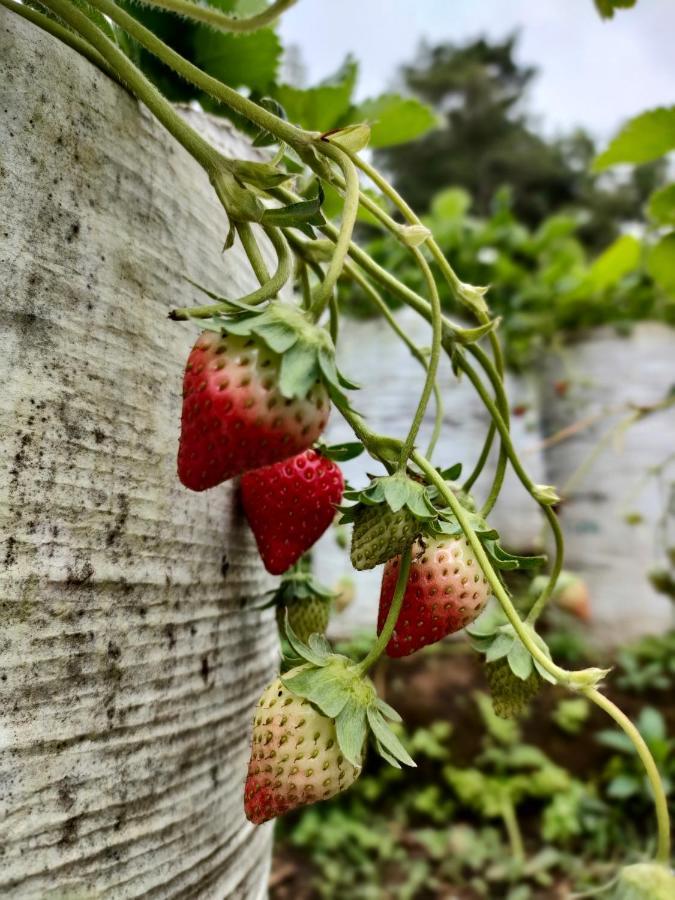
{"x": 432, "y": 369}
{"x": 334, "y": 321}
{"x": 482, "y": 459}
{"x": 513, "y": 831}
{"x": 518, "y": 468}
{"x": 265, "y": 292}
{"x": 392, "y": 616}
{"x": 220, "y": 20}
{"x": 146, "y": 92}
{"x": 652, "y": 772}
{"x": 51, "y": 26}
{"x": 215, "y": 88}
{"x": 374, "y": 296}
{"x": 572, "y": 679}
{"x": 252, "y": 250}
{"x": 350, "y": 209}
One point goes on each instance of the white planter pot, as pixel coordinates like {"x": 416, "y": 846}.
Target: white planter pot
{"x": 132, "y": 655}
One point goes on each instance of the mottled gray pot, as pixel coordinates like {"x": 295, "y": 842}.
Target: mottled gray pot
{"x": 131, "y": 652}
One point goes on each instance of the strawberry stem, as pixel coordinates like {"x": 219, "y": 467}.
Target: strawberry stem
{"x": 384, "y": 637}
{"x": 252, "y": 250}
{"x": 220, "y": 20}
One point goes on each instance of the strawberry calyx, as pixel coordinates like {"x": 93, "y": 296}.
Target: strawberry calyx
{"x": 494, "y": 636}
{"x": 299, "y": 584}
{"x": 334, "y": 684}
{"x": 307, "y": 351}
{"x": 398, "y": 492}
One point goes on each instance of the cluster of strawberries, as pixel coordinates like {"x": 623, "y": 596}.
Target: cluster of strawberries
{"x": 237, "y": 421}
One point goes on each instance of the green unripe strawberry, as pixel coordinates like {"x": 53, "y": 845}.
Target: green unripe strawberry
{"x": 380, "y": 534}
{"x": 510, "y": 694}
{"x": 306, "y": 615}
{"x": 295, "y": 756}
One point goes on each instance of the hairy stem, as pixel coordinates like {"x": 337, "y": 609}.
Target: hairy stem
{"x": 220, "y": 20}
{"x": 651, "y": 770}
{"x": 432, "y": 369}
{"x": 392, "y": 616}
{"x": 252, "y": 250}
{"x": 212, "y": 86}
{"x": 265, "y": 292}
{"x": 350, "y": 209}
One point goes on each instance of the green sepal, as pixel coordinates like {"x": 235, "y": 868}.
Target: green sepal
{"x": 452, "y": 473}
{"x": 397, "y": 491}
{"x": 321, "y": 688}
{"x": 387, "y": 738}
{"x": 502, "y": 559}
{"x": 265, "y": 138}
{"x": 351, "y": 729}
{"x": 262, "y": 175}
{"x": 317, "y": 659}
{"x": 302, "y": 214}
{"x": 466, "y": 336}
{"x": 386, "y": 755}
{"x": 299, "y": 370}
{"x": 447, "y": 524}
{"x": 388, "y": 711}
{"x": 352, "y": 137}
{"x": 298, "y": 584}
{"x": 341, "y": 452}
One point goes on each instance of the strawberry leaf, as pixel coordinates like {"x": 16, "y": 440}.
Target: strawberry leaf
{"x": 350, "y": 726}
{"x": 387, "y": 738}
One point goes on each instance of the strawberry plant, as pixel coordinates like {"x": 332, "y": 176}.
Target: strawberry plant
{"x": 259, "y": 384}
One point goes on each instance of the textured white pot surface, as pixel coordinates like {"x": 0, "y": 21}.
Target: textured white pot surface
{"x": 132, "y": 654}
{"x": 607, "y": 373}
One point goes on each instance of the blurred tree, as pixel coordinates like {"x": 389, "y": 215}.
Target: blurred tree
{"x": 487, "y": 141}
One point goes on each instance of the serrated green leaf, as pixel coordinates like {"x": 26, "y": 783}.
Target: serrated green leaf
{"x": 246, "y": 60}
{"x": 320, "y": 108}
{"x": 661, "y": 205}
{"x": 350, "y": 727}
{"x": 661, "y": 263}
{"x": 387, "y": 738}
{"x": 299, "y": 370}
{"x": 621, "y": 257}
{"x": 395, "y": 119}
{"x": 642, "y": 139}
{"x": 321, "y": 688}
{"x": 500, "y": 647}
{"x": 520, "y": 660}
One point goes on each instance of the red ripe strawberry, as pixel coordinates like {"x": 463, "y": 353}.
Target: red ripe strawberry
{"x": 295, "y": 757}
{"x": 234, "y": 415}
{"x": 446, "y": 591}
{"x": 289, "y": 505}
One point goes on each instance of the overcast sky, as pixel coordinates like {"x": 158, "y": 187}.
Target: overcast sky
{"x": 593, "y": 73}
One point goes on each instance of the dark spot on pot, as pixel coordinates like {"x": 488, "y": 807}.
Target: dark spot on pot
{"x": 69, "y": 831}
{"x": 205, "y": 669}
{"x": 114, "y": 651}
{"x": 224, "y": 565}
{"x": 170, "y": 632}
{"x": 99, "y": 436}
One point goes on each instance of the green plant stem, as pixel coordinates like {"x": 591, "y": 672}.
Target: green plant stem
{"x": 374, "y": 296}
{"x": 51, "y": 26}
{"x": 525, "y": 479}
{"x": 392, "y": 616}
{"x": 220, "y": 20}
{"x": 432, "y": 369}
{"x": 482, "y": 459}
{"x": 652, "y": 772}
{"x": 503, "y": 407}
{"x": 334, "y": 320}
{"x": 454, "y": 282}
{"x": 252, "y": 250}
{"x": 350, "y": 209}
{"x": 265, "y": 292}
{"x": 147, "y": 93}
{"x": 512, "y": 827}
{"x": 212, "y": 86}
{"x": 576, "y": 679}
